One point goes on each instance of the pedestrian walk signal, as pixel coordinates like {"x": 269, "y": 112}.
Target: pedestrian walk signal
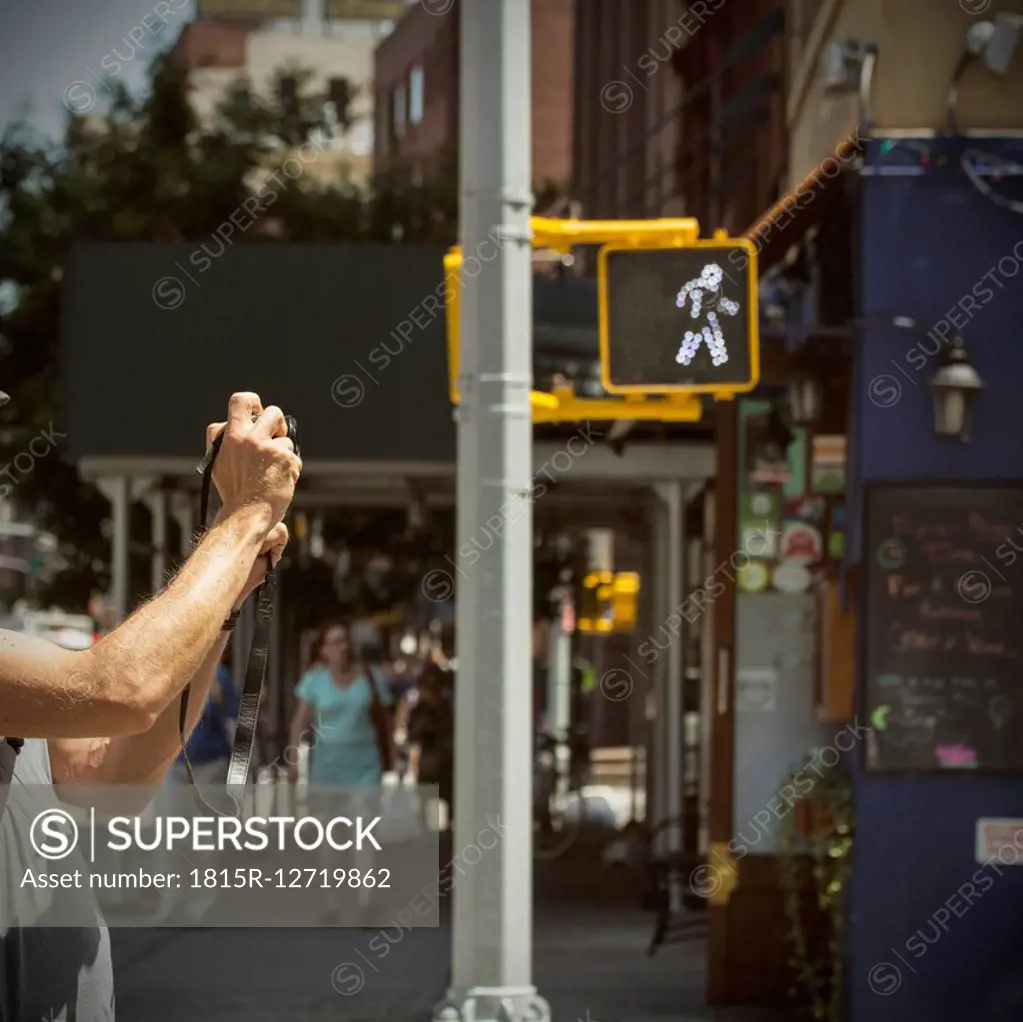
{"x": 679, "y": 318}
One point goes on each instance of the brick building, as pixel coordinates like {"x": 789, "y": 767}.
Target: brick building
{"x": 679, "y": 109}
{"x": 416, "y": 83}
{"x": 220, "y": 50}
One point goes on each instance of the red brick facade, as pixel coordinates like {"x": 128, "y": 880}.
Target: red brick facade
{"x": 679, "y": 109}
{"x": 431, "y": 41}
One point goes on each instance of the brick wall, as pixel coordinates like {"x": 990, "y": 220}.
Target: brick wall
{"x": 432, "y": 40}
{"x": 553, "y": 31}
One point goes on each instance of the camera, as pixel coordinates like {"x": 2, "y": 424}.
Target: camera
{"x": 206, "y": 464}
{"x": 292, "y": 430}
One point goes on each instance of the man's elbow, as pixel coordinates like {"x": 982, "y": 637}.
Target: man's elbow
{"x": 121, "y": 701}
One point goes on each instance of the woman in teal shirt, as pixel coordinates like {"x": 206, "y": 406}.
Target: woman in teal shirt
{"x": 335, "y": 711}
{"x": 335, "y": 703}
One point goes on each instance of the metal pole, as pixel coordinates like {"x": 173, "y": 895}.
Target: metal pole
{"x": 559, "y": 681}
{"x": 157, "y": 501}
{"x": 671, "y": 494}
{"x": 658, "y": 806}
{"x": 183, "y": 509}
{"x": 491, "y": 976}
{"x": 118, "y": 490}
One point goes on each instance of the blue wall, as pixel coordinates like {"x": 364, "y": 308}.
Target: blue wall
{"x": 927, "y": 242}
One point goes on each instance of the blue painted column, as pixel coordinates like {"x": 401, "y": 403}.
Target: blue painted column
{"x": 934, "y": 249}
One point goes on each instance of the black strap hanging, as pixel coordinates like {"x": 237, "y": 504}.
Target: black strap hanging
{"x": 255, "y": 671}
{"x": 9, "y": 749}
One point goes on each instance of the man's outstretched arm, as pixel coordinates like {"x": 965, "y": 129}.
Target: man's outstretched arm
{"x": 144, "y": 759}
{"x": 123, "y": 684}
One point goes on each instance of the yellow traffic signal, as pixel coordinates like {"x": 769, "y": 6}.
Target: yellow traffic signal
{"x": 562, "y": 404}
{"x": 608, "y": 602}
{"x": 679, "y": 318}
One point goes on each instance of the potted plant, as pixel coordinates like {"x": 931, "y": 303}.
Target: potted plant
{"x": 818, "y": 834}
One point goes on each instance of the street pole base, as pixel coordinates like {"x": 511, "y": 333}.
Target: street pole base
{"x": 493, "y": 1004}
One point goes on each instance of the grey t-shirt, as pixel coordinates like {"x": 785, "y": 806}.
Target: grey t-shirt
{"x": 48, "y": 973}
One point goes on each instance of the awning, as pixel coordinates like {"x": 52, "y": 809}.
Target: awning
{"x": 805, "y": 205}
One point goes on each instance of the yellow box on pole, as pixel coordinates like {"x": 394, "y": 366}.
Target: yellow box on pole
{"x": 633, "y": 399}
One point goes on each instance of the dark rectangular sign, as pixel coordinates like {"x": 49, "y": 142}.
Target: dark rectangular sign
{"x": 347, "y": 338}
{"x": 675, "y": 319}
{"x": 942, "y": 627}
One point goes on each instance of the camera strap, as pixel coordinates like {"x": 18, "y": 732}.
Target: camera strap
{"x": 247, "y": 725}
{"x": 9, "y": 749}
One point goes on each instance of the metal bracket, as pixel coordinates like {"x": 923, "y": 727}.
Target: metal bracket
{"x": 508, "y": 232}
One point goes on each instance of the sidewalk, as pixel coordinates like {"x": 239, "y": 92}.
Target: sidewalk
{"x": 589, "y": 958}
{"x": 589, "y": 966}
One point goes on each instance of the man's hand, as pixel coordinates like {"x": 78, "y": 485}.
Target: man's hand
{"x": 257, "y": 467}
{"x": 269, "y": 555}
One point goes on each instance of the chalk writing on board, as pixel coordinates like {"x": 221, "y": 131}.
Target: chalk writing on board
{"x": 942, "y": 659}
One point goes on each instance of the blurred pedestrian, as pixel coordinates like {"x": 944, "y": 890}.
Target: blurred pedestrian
{"x": 350, "y": 705}
{"x": 431, "y": 736}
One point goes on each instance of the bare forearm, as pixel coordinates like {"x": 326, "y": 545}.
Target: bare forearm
{"x": 164, "y": 643}
{"x": 138, "y": 759}
{"x": 123, "y": 684}
{"x": 156, "y": 750}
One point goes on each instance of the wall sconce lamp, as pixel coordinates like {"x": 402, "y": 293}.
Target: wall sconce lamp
{"x": 955, "y": 386}
{"x": 805, "y": 401}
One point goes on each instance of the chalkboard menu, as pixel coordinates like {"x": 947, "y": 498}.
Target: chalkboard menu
{"x": 942, "y": 627}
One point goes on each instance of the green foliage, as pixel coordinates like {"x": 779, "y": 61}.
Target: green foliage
{"x": 150, "y": 170}
{"x": 820, "y": 988}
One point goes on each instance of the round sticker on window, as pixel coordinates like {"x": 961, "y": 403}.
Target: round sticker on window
{"x": 801, "y": 542}
{"x": 753, "y": 578}
{"x": 791, "y": 577}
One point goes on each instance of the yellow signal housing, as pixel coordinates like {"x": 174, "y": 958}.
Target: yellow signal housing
{"x": 562, "y": 404}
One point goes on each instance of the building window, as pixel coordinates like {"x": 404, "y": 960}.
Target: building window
{"x": 415, "y": 95}
{"x": 398, "y": 111}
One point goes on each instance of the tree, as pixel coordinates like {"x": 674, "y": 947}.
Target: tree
{"x": 150, "y": 170}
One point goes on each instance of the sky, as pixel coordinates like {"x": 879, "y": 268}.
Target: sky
{"x": 57, "y": 51}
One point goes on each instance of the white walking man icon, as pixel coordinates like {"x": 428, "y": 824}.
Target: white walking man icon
{"x": 704, "y": 296}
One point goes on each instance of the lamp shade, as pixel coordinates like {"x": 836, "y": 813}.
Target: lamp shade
{"x": 955, "y": 387}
